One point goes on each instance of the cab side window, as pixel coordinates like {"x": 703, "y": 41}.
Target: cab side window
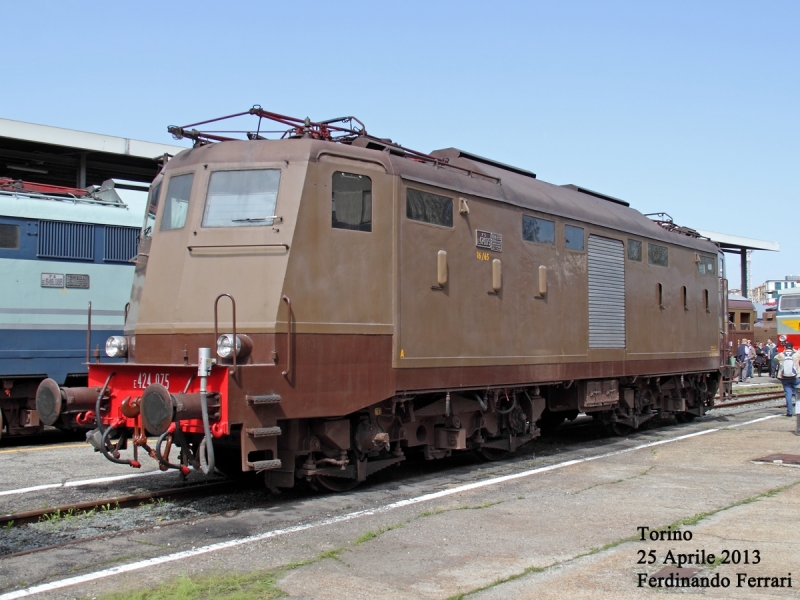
{"x": 150, "y": 217}
{"x": 351, "y": 202}
{"x": 9, "y": 237}
{"x": 706, "y": 265}
{"x": 176, "y": 203}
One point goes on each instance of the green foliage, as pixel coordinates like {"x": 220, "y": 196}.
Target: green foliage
{"x": 367, "y": 536}
{"x": 233, "y": 586}
{"x": 67, "y": 515}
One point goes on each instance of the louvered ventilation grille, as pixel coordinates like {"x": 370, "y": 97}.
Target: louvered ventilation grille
{"x": 121, "y": 243}
{"x": 66, "y": 240}
{"x": 606, "y": 293}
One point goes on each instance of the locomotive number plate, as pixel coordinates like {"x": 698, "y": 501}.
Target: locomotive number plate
{"x": 80, "y": 282}
{"x": 145, "y": 379}
{"x": 52, "y": 280}
{"x": 490, "y": 241}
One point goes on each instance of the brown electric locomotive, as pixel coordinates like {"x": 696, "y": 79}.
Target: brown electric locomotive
{"x": 317, "y": 305}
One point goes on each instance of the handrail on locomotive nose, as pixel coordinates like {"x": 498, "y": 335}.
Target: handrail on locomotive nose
{"x": 216, "y": 322}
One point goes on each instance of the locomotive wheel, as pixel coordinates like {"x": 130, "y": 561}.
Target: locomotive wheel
{"x": 685, "y": 417}
{"x": 333, "y": 484}
{"x": 491, "y": 454}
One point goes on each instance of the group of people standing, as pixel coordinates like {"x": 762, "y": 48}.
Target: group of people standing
{"x": 759, "y": 356}
{"x": 783, "y": 365}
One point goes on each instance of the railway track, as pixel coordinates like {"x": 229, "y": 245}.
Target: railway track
{"x": 79, "y": 508}
{"x": 750, "y": 398}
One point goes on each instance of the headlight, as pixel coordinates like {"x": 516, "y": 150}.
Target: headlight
{"x": 116, "y": 346}
{"x": 225, "y": 345}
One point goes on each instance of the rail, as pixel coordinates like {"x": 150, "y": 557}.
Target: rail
{"x": 135, "y": 500}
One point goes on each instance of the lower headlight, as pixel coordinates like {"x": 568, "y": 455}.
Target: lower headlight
{"x": 116, "y": 346}
{"x": 225, "y": 346}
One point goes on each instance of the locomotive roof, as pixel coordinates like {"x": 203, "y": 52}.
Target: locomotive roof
{"x": 464, "y": 173}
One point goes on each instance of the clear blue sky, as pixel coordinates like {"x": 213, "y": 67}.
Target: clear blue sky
{"x": 690, "y": 108}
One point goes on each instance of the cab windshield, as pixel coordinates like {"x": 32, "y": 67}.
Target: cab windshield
{"x": 789, "y": 303}
{"x": 242, "y": 198}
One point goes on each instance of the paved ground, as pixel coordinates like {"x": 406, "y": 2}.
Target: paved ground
{"x": 553, "y": 526}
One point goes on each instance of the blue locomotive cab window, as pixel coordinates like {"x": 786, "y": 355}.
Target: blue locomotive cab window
{"x": 429, "y": 208}
{"x": 9, "y": 237}
{"x": 634, "y": 250}
{"x": 573, "y": 237}
{"x": 176, "y": 203}
{"x": 789, "y": 303}
{"x": 658, "y": 255}
{"x": 351, "y": 204}
{"x": 242, "y": 198}
{"x": 540, "y": 231}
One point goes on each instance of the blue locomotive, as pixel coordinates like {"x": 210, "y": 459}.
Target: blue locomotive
{"x": 62, "y": 251}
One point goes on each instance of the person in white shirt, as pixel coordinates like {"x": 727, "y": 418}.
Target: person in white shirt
{"x": 788, "y": 369}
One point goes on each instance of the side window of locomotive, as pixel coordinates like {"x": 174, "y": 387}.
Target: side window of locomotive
{"x": 573, "y": 237}
{"x": 177, "y": 202}
{"x": 150, "y": 217}
{"x": 9, "y": 237}
{"x": 351, "y": 203}
{"x": 634, "y": 250}
{"x": 429, "y": 208}
{"x": 657, "y": 255}
{"x": 706, "y": 265}
{"x": 540, "y": 231}
{"x": 242, "y": 198}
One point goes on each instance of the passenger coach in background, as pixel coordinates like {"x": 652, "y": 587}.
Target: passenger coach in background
{"x": 365, "y": 300}
{"x": 60, "y": 249}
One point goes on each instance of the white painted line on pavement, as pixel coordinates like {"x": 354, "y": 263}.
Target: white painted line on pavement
{"x": 143, "y": 564}
{"x": 750, "y": 422}
{"x": 81, "y": 482}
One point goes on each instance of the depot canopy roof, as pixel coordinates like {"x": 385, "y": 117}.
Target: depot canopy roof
{"x": 66, "y": 157}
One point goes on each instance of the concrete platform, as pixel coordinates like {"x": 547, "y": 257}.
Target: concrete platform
{"x": 560, "y": 527}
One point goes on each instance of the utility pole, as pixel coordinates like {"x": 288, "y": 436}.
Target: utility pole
{"x": 749, "y": 271}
